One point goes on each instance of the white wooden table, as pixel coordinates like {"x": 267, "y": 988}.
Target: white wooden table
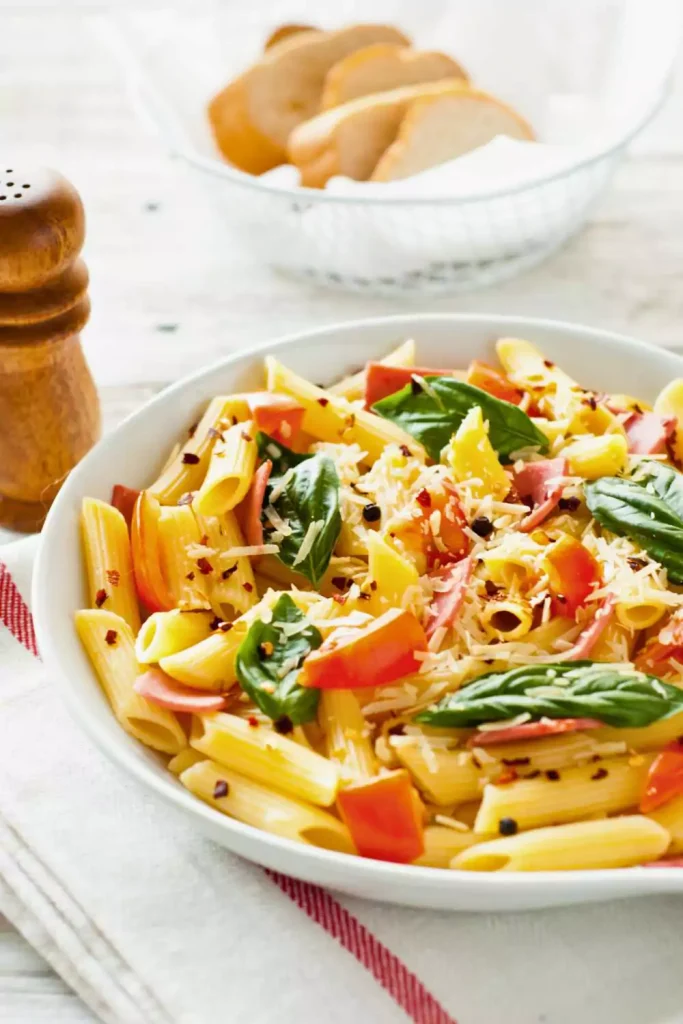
{"x": 170, "y": 290}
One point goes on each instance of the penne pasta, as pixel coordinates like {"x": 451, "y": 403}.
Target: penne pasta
{"x": 209, "y": 664}
{"x": 184, "y": 564}
{"x": 185, "y": 759}
{"x": 650, "y": 737}
{"x": 108, "y": 641}
{"x": 442, "y": 844}
{"x": 508, "y": 618}
{"x": 445, "y": 777}
{"x": 106, "y": 547}
{"x": 230, "y": 471}
{"x": 346, "y": 732}
{"x": 167, "y": 633}
{"x": 670, "y": 817}
{"x": 669, "y": 402}
{"x": 232, "y": 580}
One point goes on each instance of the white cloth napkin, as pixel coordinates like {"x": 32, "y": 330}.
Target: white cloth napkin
{"x": 151, "y": 924}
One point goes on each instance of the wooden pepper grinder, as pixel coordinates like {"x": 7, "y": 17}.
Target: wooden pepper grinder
{"x": 49, "y": 410}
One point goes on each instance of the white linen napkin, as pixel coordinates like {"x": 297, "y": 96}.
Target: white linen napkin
{"x": 151, "y": 924}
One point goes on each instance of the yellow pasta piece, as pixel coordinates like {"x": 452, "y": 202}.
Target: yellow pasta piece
{"x": 232, "y": 582}
{"x": 593, "y": 457}
{"x": 508, "y": 618}
{"x": 670, "y": 817}
{"x": 606, "y": 787}
{"x": 182, "y": 560}
{"x": 442, "y": 844}
{"x": 515, "y": 561}
{"x": 649, "y": 737}
{"x": 527, "y": 367}
{"x": 445, "y": 776}
{"x": 331, "y": 418}
{"x": 179, "y": 477}
{"x": 546, "y": 635}
{"x": 346, "y": 734}
{"x": 612, "y": 843}
{"x": 210, "y": 664}
{"x": 616, "y": 643}
{"x": 473, "y": 459}
{"x": 108, "y": 640}
{"x": 266, "y": 809}
{"x": 185, "y": 759}
{"x": 543, "y": 754}
{"x": 230, "y": 471}
{"x": 640, "y": 614}
{"x": 669, "y": 402}
{"x": 392, "y": 573}
{"x": 166, "y": 633}
{"x": 553, "y": 429}
{"x": 106, "y": 546}
{"x": 628, "y": 403}
{"x": 353, "y": 387}
{"x": 262, "y": 754}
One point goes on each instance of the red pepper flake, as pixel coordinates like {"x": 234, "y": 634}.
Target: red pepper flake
{"x": 548, "y": 364}
{"x": 340, "y": 582}
{"x": 110, "y": 637}
{"x": 204, "y": 566}
{"x": 225, "y": 627}
{"x": 190, "y": 576}
{"x": 506, "y": 777}
{"x": 323, "y": 402}
{"x": 221, "y": 789}
{"x": 113, "y": 577}
{"x": 212, "y": 432}
{"x": 592, "y": 403}
{"x": 475, "y": 761}
{"x": 193, "y": 430}
{"x": 601, "y": 773}
{"x": 340, "y": 598}
{"x": 364, "y": 597}
{"x": 235, "y": 421}
{"x": 552, "y": 775}
{"x": 245, "y": 436}
{"x": 636, "y": 563}
{"x": 532, "y": 775}
{"x": 186, "y": 499}
{"x": 253, "y": 721}
{"x": 248, "y": 587}
{"x": 227, "y": 573}
{"x": 100, "y": 597}
{"x": 373, "y": 584}
{"x": 424, "y": 498}
{"x": 190, "y": 459}
{"x": 351, "y": 421}
{"x": 405, "y": 450}
{"x": 204, "y": 539}
{"x": 516, "y": 760}
{"x": 215, "y": 623}
{"x": 491, "y": 588}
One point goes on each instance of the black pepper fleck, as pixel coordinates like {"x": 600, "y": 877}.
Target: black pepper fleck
{"x": 283, "y": 725}
{"x": 552, "y": 775}
{"x": 372, "y": 513}
{"x": 569, "y": 504}
{"x": 221, "y": 789}
{"x": 601, "y": 773}
{"x": 508, "y": 827}
{"x": 482, "y": 526}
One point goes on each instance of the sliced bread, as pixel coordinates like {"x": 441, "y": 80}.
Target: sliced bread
{"x": 384, "y": 66}
{"x": 282, "y": 32}
{"x": 350, "y": 139}
{"x": 254, "y": 115}
{"x": 441, "y": 127}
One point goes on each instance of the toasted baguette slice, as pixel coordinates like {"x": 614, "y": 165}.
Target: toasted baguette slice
{"x": 350, "y": 139}
{"x": 384, "y": 66}
{"x": 253, "y": 116}
{"x": 282, "y": 32}
{"x": 440, "y": 128}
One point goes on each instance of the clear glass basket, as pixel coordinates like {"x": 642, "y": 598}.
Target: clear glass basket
{"x": 397, "y": 244}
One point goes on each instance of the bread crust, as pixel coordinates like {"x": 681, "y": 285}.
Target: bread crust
{"x": 385, "y": 66}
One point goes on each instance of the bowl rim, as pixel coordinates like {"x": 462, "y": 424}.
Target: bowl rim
{"x": 353, "y": 868}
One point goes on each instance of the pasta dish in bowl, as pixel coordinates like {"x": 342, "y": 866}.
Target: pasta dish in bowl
{"x": 429, "y": 616}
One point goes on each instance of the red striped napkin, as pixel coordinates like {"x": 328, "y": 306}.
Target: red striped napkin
{"x": 151, "y": 924}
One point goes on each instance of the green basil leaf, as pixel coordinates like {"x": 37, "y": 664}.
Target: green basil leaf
{"x": 577, "y": 689}
{"x": 282, "y": 457}
{"x": 636, "y": 510}
{"x": 310, "y": 496}
{"x": 271, "y": 679}
{"x": 432, "y": 419}
{"x": 662, "y": 481}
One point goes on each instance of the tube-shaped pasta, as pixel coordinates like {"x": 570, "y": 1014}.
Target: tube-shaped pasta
{"x": 616, "y": 643}
{"x": 527, "y": 367}
{"x": 446, "y": 777}
{"x": 346, "y": 734}
{"x": 182, "y": 474}
{"x": 473, "y": 459}
{"x": 592, "y": 457}
{"x": 509, "y": 618}
{"x": 182, "y": 563}
{"x": 548, "y": 633}
{"x": 514, "y": 561}
{"x": 106, "y": 546}
{"x": 670, "y": 817}
{"x": 442, "y": 844}
{"x": 262, "y": 754}
{"x": 210, "y": 664}
{"x": 669, "y": 402}
{"x": 108, "y": 641}
{"x": 542, "y": 754}
{"x": 232, "y": 581}
{"x": 606, "y": 787}
{"x": 328, "y": 417}
{"x": 266, "y": 809}
{"x": 635, "y": 613}
{"x": 611, "y": 843}
{"x": 649, "y": 737}
{"x": 392, "y": 573}
{"x": 166, "y": 633}
{"x": 185, "y": 759}
{"x": 230, "y": 471}
{"x": 353, "y": 387}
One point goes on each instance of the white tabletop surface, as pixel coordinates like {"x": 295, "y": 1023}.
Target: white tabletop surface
{"x": 171, "y": 290}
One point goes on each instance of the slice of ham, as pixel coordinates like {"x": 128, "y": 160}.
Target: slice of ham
{"x": 158, "y": 688}
{"x": 448, "y": 601}
{"x": 124, "y": 498}
{"x": 590, "y": 636}
{"x": 382, "y": 381}
{"x": 279, "y": 416}
{"x": 647, "y": 433}
{"x": 249, "y": 511}
{"x": 531, "y": 731}
{"x": 542, "y": 482}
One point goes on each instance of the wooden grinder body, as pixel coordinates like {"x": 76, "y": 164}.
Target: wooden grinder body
{"x": 49, "y": 410}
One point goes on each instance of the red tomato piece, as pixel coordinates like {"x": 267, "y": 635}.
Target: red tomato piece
{"x": 483, "y": 376}
{"x": 149, "y": 579}
{"x": 158, "y": 688}
{"x": 384, "y": 817}
{"x": 378, "y": 654}
{"x": 279, "y": 416}
{"x": 573, "y": 575}
{"x": 249, "y": 511}
{"x": 532, "y": 731}
{"x": 657, "y": 655}
{"x": 382, "y": 381}
{"x": 124, "y": 498}
{"x": 665, "y": 778}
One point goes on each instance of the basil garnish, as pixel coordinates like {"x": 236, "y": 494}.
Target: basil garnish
{"x": 432, "y": 416}
{"x": 580, "y": 689}
{"x": 268, "y": 663}
{"x": 647, "y": 508}
{"x": 310, "y": 496}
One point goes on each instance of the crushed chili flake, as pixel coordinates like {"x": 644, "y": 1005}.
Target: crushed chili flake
{"x": 323, "y": 402}
{"x": 113, "y": 577}
{"x": 532, "y": 775}
{"x": 515, "y": 760}
{"x": 215, "y": 622}
{"x": 110, "y": 637}
{"x": 228, "y": 572}
{"x": 340, "y": 582}
{"x": 212, "y": 432}
{"x": 476, "y": 762}
{"x": 204, "y": 566}
{"x": 190, "y": 459}
{"x": 248, "y": 587}
{"x": 636, "y": 563}
{"x": 340, "y": 598}
{"x": 491, "y": 588}
{"x": 424, "y": 498}
{"x": 405, "y": 450}
{"x": 364, "y": 597}
{"x": 193, "y": 430}
{"x": 373, "y": 584}
{"x": 569, "y": 504}
{"x": 245, "y": 436}
{"x": 552, "y": 775}
{"x": 204, "y": 540}
{"x": 506, "y": 777}
{"x": 397, "y": 730}
{"x": 221, "y": 789}
{"x": 283, "y": 725}
{"x": 225, "y": 627}
{"x": 253, "y": 721}
{"x": 100, "y": 597}
{"x": 601, "y": 773}
{"x": 190, "y": 576}
{"x": 351, "y": 421}
{"x": 548, "y": 364}
{"x": 186, "y": 499}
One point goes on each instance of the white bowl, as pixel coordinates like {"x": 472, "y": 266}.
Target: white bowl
{"x": 133, "y": 454}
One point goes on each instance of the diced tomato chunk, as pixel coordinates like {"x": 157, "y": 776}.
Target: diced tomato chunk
{"x": 382, "y": 381}
{"x": 384, "y": 817}
{"x": 124, "y": 498}
{"x": 483, "y": 376}
{"x": 665, "y": 778}
{"x": 277, "y": 415}
{"x": 573, "y": 575}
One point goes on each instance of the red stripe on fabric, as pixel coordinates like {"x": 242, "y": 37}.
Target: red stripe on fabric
{"x": 14, "y": 612}
{"x": 404, "y": 987}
